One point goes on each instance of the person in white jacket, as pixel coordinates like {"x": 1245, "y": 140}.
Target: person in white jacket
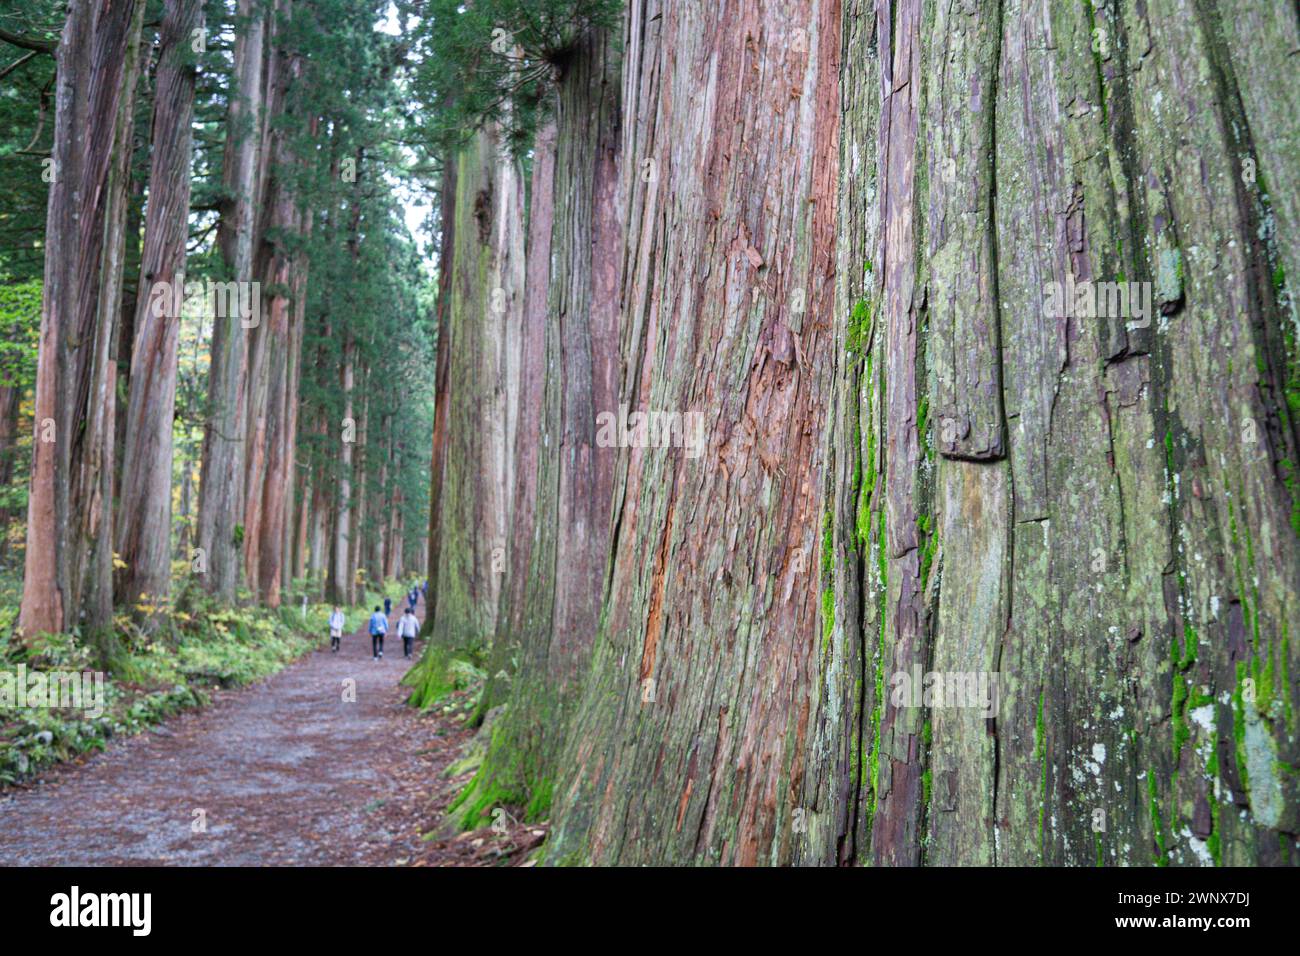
{"x": 407, "y": 627}
{"x": 337, "y": 624}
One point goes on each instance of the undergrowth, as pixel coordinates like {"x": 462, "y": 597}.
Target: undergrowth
{"x": 194, "y": 645}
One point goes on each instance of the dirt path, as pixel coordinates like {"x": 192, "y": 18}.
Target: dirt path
{"x": 285, "y": 772}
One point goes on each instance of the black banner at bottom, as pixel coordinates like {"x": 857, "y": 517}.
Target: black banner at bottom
{"x": 338, "y": 906}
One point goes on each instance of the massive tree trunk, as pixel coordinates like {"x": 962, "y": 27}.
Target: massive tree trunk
{"x": 221, "y": 486}
{"x": 506, "y": 644}
{"x": 144, "y": 515}
{"x": 273, "y": 346}
{"x": 1088, "y": 504}
{"x": 68, "y": 579}
{"x": 551, "y": 603}
{"x": 691, "y": 739}
{"x": 484, "y": 329}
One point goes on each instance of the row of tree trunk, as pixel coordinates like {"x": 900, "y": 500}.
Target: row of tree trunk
{"x": 83, "y": 507}
{"x": 830, "y": 228}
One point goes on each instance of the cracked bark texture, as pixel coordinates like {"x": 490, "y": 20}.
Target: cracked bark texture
{"x": 690, "y": 738}
{"x": 1098, "y": 510}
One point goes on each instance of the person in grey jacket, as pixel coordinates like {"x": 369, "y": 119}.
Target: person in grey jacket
{"x": 407, "y": 627}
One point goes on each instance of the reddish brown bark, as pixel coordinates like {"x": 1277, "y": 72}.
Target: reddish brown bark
{"x": 144, "y": 508}
{"x": 68, "y": 575}
{"x": 442, "y": 383}
{"x": 691, "y": 739}
{"x": 221, "y": 487}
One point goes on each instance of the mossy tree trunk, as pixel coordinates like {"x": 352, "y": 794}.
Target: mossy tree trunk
{"x": 482, "y": 344}
{"x": 1096, "y": 509}
{"x": 560, "y": 533}
{"x": 985, "y": 309}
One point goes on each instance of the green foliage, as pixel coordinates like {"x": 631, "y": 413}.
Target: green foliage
{"x": 26, "y": 133}
{"x": 497, "y": 60}
{"x": 20, "y": 318}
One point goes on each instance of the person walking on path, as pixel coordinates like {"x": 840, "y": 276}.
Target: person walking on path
{"x": 378, "y": 628}
{"x": 407, "y": 628}
{"x": 413, "y": 599}
{"x": 388, "y": 606}
{"x": 337, "y": 623}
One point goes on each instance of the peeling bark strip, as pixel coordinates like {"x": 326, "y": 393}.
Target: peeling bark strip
{"x": 731, "y": 131}
{"x": 964, "y": 349}
{"x": 1122, "y": 553}
{"x": 896, "y": 819}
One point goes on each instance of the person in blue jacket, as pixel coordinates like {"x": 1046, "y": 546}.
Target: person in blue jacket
{"x": 378, "y": 628}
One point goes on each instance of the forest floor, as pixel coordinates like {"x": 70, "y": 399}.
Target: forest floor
{"x": 284, "y": 772}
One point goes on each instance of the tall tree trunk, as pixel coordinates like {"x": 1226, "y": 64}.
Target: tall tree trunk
{"x": 507, "y": 642}
{"x": 124, "y": 346}
{"x": 273, "y": 357}
{"x": 144, "y": 510}
{"x": 379, "y": 538}
{"x": 360, "y": 485}
{"x": 184, "y": 539}
{"x": 340, "y": 587}
{"x": 486, "y": 297}
{"x": 441, "y": 394}
{"x": 266, "y": 342}
{"x": 68, "y": 574}
{"x": 318, "y": 551}
{"x": 291, "y": 553}
{"x": 221, "y": 485}
{"x": 395, "y": 563}
{"x": 564, "y": 480}
{"x": 691, "y": 738}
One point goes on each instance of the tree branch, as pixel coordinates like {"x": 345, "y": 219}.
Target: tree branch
{"x": 29, "y": 43}
{"x": 17, "y": 63}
